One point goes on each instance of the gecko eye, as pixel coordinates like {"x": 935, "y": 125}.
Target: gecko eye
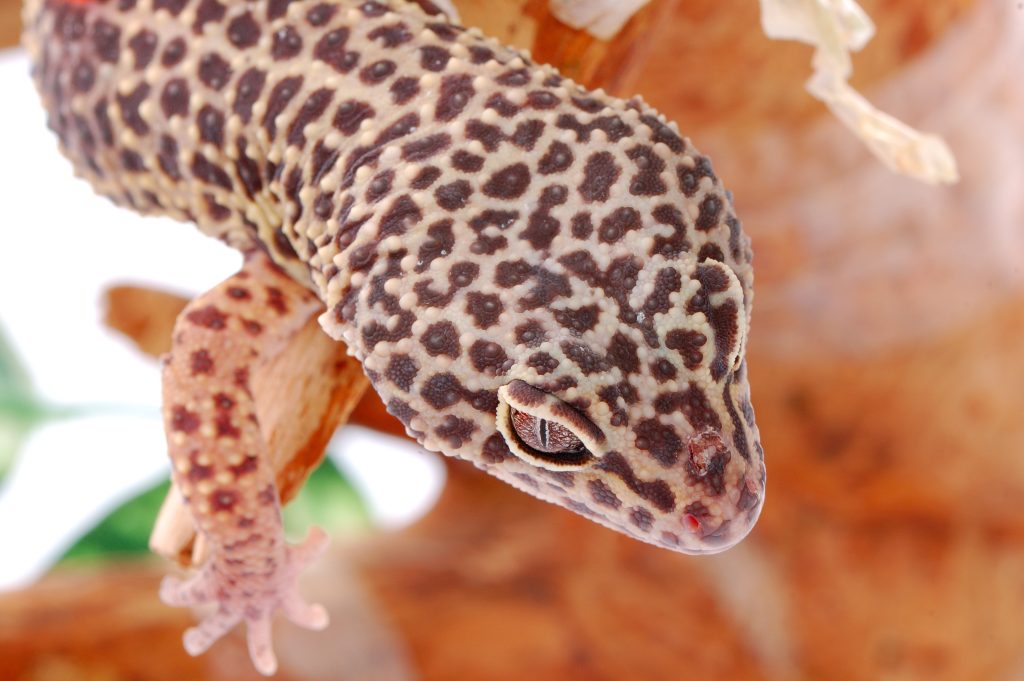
{"x": 543, "y": 435}
{"x": 545, "y": 431}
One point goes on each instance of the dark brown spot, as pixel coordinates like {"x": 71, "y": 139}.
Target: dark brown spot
{"x": 404, "y": 89}
{"x": 426, "y": 147}
{"x": 663, "y": 133}
{"x": 442, "y": 391}
{"x": 441, "y": 338}
{"x": 350, "y": 116}
{"x": 688, "y": 343}
{"x": 659, "y": 440}
{"x": 225, "y": 428}
{"x": 183, "y": 420}
{"x": 377, "y": 72}
{"x": 455, "y": 93}
{"x": 603, "y": 495}
{"x": 588, "y": 361}
{"x": 201, "y": 362}
{"x": 243, "y": 31}
{"x": 391, "y": 35}
{"x": 657, "y": 492}
{"x": 208, "y": 317}
{"x": 600, "y": 173}
{"x": 331, "y": 49}
{"x": 509, "y": 183}
{"x": 174, "y": 98}
{"x": 434, "y": 58}
{"x": 223, "y": 500}
{"x": 490, "y": 136}
{"x": 502, "y": 105}
{"x": 174, "y": 7}
{"x": 485, "y": 308}
{"x": 279, "y": 97}
{"x": 457, "y": 431}
{"x": 129, "y": 105}
{"x": 531, "y": 334}
{"x": 214, "y": 71}
{"x": 558, "y": 159}
{"x": 208, "y": 11}
{"x": 527, "y": 133}
{"x": 454, "y": 195}
{"x": 248, "y": 91}
{"x": 287, "y": 43}
{"x": 542, "y": 363}
{"x": 425, "y": 178}
{"x": 167, "y": 157}
{"x": 488, "y": 357}
{"x": 622, "y": 353}
{"x": 106, "y": 39}
{"x": 495, "y": 449}
{"x": 312, "y": 109}
{"x": 514, "y": 78}
{"x": 143, "y": 46}
{"x": 173, "y": 53}
{"x": 693, "y": 404}
{"x": 547, "y": 287}
{"x": 466, "y": 162}
{"x": 541, "y": 99}
{"x": 321, "y": 14}
{"x": 615, "y": 226}
{"x": 402, "y": 371}
{"x": 211, "y": 125}
{"x": 132, "y": 161}
{"x": 578, "y": 320}
{"x": 206, "y": 171}
{"x": 642, "y": 518}
{"x": 710, "y": 211}
{"x": 647, "y": 181}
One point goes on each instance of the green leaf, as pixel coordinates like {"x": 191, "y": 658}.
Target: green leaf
{"x": 327, "y": 499}
{"x": 125, "y": 531}
{"x": 20, "y": 411}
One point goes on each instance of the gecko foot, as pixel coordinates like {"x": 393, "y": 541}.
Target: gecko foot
{"x": 250, "y": 597}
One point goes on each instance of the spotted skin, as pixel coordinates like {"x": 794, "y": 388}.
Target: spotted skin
{"x": 498, "y": 246}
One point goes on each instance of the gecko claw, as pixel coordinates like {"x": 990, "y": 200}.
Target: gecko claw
{"x": 253, "y": 599}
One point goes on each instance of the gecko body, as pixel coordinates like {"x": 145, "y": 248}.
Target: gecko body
{"x": 545, "y": 281}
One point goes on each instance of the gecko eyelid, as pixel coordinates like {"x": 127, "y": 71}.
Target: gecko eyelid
{"x": 545, "y": 431}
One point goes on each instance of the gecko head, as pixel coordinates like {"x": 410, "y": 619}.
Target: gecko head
{"x": 644, "y": 422}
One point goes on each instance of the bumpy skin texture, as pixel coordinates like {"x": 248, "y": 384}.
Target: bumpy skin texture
{"x": 497, "y": 245}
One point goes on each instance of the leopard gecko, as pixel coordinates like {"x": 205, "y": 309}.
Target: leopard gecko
{"x": 546, "y": 281}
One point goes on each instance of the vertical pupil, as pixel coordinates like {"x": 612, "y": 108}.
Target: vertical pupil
{"x": 542, "y": 432}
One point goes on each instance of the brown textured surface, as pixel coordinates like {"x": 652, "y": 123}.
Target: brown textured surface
{"x": 10, "y": 22}
{"x": 106, "y": 626}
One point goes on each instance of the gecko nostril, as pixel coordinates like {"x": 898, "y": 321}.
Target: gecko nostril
{"x": 691, "y": 523}
{"x": 708, "y": 454}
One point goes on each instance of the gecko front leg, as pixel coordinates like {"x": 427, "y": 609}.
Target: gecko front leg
{"x": 220, "y": 462}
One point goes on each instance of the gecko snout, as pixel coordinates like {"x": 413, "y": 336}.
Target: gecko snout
{"x": 731, "y": 492}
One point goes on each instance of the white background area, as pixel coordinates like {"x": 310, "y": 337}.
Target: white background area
{"x": 61, "y": 246}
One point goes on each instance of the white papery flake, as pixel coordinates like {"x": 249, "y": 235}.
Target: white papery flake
{"x": 836, "y": 28}
{"x": 600, "y": 18}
